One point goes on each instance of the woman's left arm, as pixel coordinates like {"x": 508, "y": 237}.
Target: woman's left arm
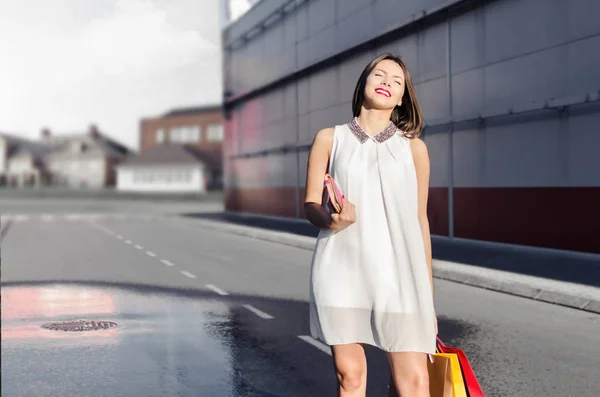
{"x": 421, "y": 160}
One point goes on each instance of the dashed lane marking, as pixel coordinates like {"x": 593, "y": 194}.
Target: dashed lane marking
{"x": 185, "y": 273}
{"x": 259, "y": 313}
{"x": 216, "y": 289}
{"x": 319, "y": 345}
{"x": 188, "y": 274}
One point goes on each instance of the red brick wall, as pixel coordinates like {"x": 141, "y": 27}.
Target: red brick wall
{"x": 149, "y": 127}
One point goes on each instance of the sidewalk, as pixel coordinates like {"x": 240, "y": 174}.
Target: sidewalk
{"x": 565, "y": 278}
{"x": 108, "y": 193}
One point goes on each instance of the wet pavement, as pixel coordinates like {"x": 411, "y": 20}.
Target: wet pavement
{"x": 163, "y": 345}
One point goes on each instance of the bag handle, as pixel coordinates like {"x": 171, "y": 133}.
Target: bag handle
{"x": 440, "y": 346}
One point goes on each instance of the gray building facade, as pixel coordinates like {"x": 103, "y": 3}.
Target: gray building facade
{"x": 510, "y": 92}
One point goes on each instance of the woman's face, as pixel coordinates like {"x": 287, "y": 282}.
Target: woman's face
{"x": 385, "y": 85}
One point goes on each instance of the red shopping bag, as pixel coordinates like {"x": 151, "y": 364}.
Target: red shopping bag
{"x": 471, "y": 384}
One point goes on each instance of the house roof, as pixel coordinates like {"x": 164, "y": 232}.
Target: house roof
{"x": 193, "y": 110}
{"x": 58, "y": 145}
{"x": 18, "y": 146}
{"x": 174, "y": 154}
{"x": 98, "y": 141}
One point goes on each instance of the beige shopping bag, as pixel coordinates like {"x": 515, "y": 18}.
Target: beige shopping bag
{"x": 440, "y": 376}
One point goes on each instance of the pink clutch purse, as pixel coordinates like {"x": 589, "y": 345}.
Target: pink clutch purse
{"x": 335, "y": 198}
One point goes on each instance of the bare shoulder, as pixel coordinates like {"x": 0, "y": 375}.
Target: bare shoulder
{"x": 324, "y": 138}
{"x": 418, "y": 148}
{"x": 326, "y": 134}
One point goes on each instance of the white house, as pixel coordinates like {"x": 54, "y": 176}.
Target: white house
{"x": 169, "y": 168}
{"x": 78, "y": 160}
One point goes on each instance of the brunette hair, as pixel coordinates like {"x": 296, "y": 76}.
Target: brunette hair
{"x": 406, "y": 117}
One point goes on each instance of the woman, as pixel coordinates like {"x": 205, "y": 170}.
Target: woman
{"x": 371, "y": 278}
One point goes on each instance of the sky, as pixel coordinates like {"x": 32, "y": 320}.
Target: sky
{"x": 237, "y": 8}
{"x": 66, "y": 64}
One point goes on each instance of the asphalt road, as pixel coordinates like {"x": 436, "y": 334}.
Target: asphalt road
{"x": 203, "y": 313}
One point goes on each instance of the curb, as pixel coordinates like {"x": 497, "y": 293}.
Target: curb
{"x": 561, "y": 293}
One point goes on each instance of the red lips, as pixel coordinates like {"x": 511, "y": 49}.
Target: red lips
{"x": 383, "y": 91}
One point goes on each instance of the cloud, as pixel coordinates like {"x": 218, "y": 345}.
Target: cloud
{"x": 89, "y": 61}
{"x": 138, "y": 38}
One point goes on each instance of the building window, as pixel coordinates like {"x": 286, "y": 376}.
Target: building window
{"x": 166, "y": 176}
{"x": 185, "y": 134}
{"x": 175, "y": 135}
{"x": 195, "y": 133}
{"x": 78, "y": 147}
{"x": 214, "y": 133}
{"x": 160, "y": 135}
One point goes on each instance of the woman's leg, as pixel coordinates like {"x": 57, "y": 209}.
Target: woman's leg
{"x": 409, "y": 374}
{"x": 351, "y": 369}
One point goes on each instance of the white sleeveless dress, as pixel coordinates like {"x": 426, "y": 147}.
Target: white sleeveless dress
{"x": 370, "y": 282}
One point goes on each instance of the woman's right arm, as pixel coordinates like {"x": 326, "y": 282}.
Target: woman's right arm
{"x": 318, "y": 158}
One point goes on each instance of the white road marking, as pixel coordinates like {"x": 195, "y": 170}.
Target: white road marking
{"x": 150, "y": 253}
{"x": 188, "y": 274}
{"x": 319, "y": 345}
{"x": 166, "y": 262}
{"x": 72, "y": 217}
{"x": 216, "y": 289}
{"x": 119, "y": 237}
{"x": 47, "y": 218}
{"x": 21, "y": 217}
{"x": 259, "y": 313}
{"x": 127, "y": 242}
{"x": 105, "y": 230}
{"x": 139, "y": 247}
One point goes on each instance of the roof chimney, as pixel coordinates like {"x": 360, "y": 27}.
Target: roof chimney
{"x": 45, "y": 133}
{"x": 93, "y": 131}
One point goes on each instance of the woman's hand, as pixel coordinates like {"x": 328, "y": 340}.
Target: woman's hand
{"x": 343, "y": 219}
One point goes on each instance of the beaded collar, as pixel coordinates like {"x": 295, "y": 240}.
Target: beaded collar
{"x": 380, "y": 137}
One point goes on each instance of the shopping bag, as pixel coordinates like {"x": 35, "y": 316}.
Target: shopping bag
{"x": 440, "y": 376}
{"x": 471, "y": 384}
{"x": 458, "y": 383}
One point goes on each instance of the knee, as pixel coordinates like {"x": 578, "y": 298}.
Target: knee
{"x": 350, "y": 380}
{"x": 417, "y": 380}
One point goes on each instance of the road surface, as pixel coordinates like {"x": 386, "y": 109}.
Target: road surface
{"x": 204, "y": 313}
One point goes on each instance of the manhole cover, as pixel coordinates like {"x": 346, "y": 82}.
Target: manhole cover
{"x": 79, "y": 325}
